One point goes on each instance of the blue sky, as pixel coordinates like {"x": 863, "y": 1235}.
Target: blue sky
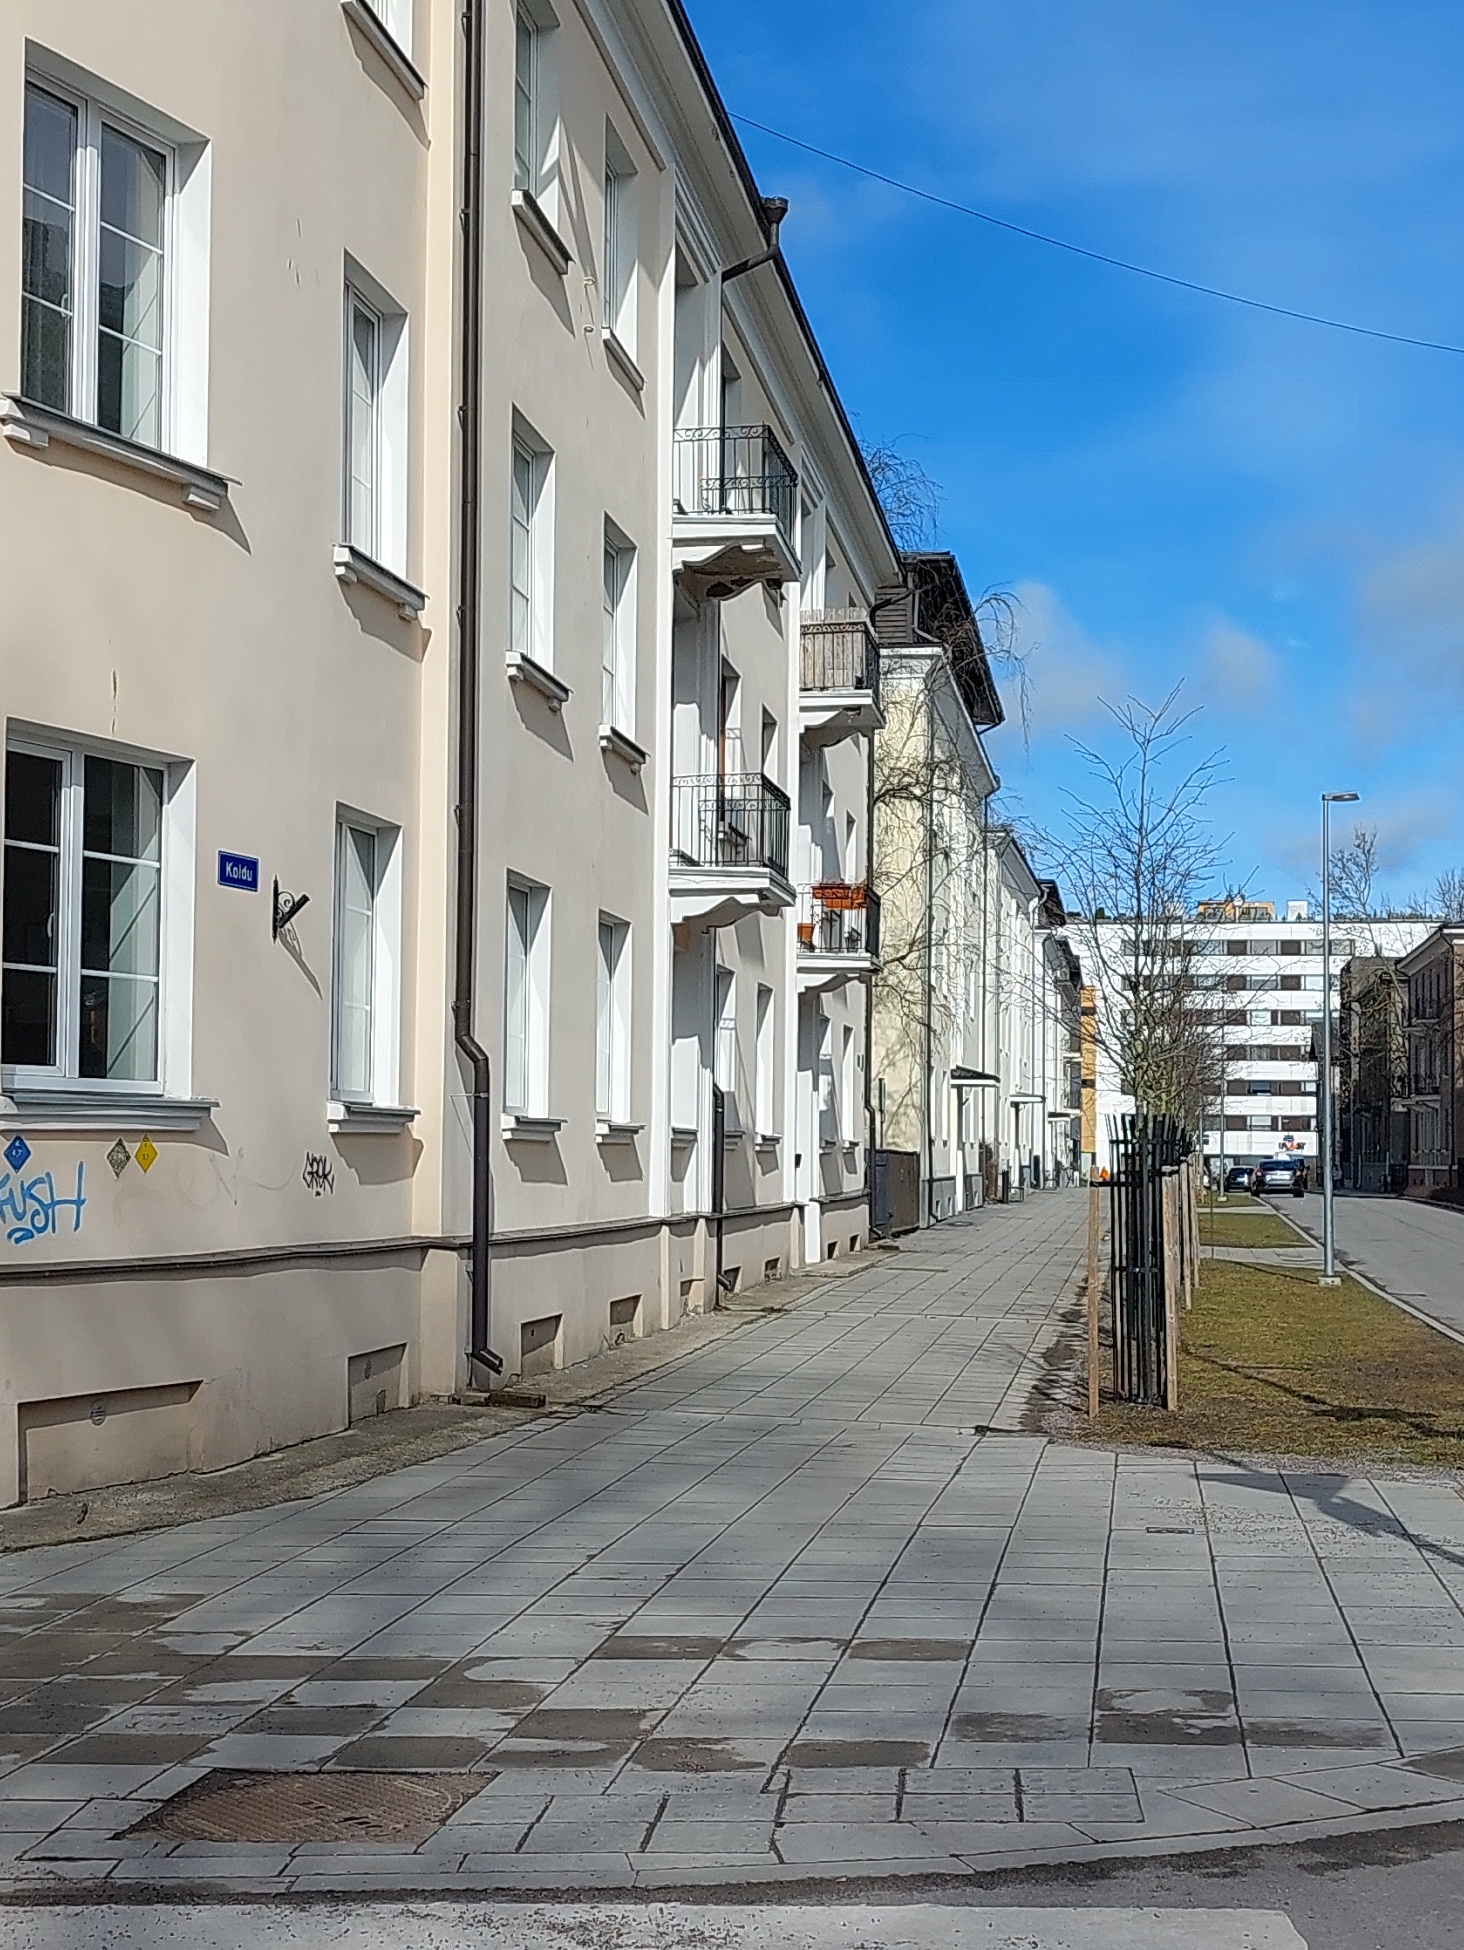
{"x": 1175, "y": 487}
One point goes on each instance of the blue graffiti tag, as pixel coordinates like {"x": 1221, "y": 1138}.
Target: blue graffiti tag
{"x": 28, "y": 1206}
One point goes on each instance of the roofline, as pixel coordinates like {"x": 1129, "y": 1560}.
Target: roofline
{"x": 728, "y": 131}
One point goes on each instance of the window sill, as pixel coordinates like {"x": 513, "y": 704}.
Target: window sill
{"x": 731, "y": 1137}
{"x": 608, "y": 1131}
{"x": 629, "y": 371}
{"x": 25, "y": 424}
{"x": 386, "y": 45}
{"x": 352, "y": 566}
{"x": 351, "y": 1120}
{"x": 518, "y": 1128}
{"x": 59, "y": 1107}
{"x": 537, "y": 225}
{"x": 768, "y": 1140}
{"x": 524, "y": 670}
{"x": 625, "y": 749}
{"x": 683, "y": 1134}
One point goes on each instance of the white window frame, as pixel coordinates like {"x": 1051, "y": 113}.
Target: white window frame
{"x": 531, "y": 550}
{"x": 175, "y": 924}
{"x": 764, "y": 1091}
{"x": 724, "y": 1050}
{"x": 620, "y": 267}
{"x": 183, "y": 417}
{"x": 536, "y": 142}
{"x": 613, "y": 1022}
{"x": 848, "y": 1087}
{"x": 383, "y": 1088}
{"x": 617, "y": 662}
{"x": 526, "y": 938}
{"x": 384, "y": 540}
{"x": 396, "y": 17}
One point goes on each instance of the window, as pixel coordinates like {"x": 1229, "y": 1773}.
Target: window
{"x": 530, "y": 552}
{"x": 113, "y": 271}
{"x": 612, "y": 1068}
{"x": 374, "y": 515}
{"x": 848, "y": 1090}
{"x": 725, "y": 1061}
{"x": 619, "y": 269}
{"x": 617, "y": 699}
{"x": 83, "y": 917}
{"x": 396, "y": 17}
{"x": 766, "y": 1106}
{"x": 363, "y": 422}
{"x": 526, "y": 1001}
{"x": 364, "y": 1011}
{"x": 533, "y": 111}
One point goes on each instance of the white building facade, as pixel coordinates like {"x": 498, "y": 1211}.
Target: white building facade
{"x": 436, "y": 879}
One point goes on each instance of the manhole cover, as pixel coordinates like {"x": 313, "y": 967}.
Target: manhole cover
{"x": 225, "y": 1806}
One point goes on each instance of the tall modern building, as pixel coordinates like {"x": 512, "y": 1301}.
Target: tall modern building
{"x": 1255, "y": 984}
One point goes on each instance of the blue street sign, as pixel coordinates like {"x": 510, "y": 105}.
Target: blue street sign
{"x": 238, "y": 870}
{"x": 17, "y": 1152}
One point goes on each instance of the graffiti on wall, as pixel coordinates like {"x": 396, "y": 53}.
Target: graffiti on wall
{"x": 318, "y": 1175}
{"x": 31, "y": 1207}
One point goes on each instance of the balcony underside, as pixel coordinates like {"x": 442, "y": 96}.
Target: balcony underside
{"x": 824, "y": 717}
{"x": 721, "y": 555}
{"x": 817, "y": 973}
{"x": 717, "y": 897}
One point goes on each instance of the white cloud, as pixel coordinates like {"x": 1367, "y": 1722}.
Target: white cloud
{"x": 1237, "y": 671}
{"x": 1070, "y": 674}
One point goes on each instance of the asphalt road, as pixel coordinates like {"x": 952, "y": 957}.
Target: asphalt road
{"x": 1411, "y": 1250}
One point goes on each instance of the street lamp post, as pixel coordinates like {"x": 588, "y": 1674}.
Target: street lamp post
{"x": 1324, "y": 1131}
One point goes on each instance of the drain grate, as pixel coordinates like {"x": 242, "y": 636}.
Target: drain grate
{"x": 229, "y": 1806}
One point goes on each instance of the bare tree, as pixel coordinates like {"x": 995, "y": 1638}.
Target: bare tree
{"x": 1137, "y": 858}
{"x": 1448, "y": 897}
{"x": 909, "y": 497}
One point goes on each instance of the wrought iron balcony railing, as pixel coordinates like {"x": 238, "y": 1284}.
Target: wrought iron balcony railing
{"x": 736, "y": 471}
{"x": 840, "y": 652}
{"x": 730, "y": 819}
{"x": 837, "y": 919}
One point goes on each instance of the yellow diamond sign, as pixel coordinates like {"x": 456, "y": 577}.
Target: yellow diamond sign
{"x": 146, "y": 1154}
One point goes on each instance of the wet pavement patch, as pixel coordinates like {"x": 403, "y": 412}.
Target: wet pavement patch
{"x": 342, "y": 1722}
{"x": 1311, "y": 1733}
{"x": 458, "y": 1688}
{"x": 1194, "y": 1719}
{"x": 625, "y": 1645}
{"x": 916, "y": 1651}
{"x": 1445, "y": 1765}
{"x": 692, "y": 1756}
{"x": 605, "y": 1725}
{"x": 1007, "y": 1728}
{"x": 858, "y": 1753}
{"x": 132, "y": 1749}
{"x": 229, "y": 1807}
{"x": 411, "y": 1752}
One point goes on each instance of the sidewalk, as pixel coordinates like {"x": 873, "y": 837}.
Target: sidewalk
{"x": 806, "y": 1605}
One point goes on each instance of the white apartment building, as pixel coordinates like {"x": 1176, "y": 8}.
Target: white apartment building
{"x": 975, "y": 1002}
{"x": 1259, "y": 979}
{"x": 436, "y": 881}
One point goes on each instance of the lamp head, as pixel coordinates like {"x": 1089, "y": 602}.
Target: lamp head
{"x": 1338, "y": 798}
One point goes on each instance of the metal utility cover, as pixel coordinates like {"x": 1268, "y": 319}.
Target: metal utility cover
{"x": 228, "y": 1806}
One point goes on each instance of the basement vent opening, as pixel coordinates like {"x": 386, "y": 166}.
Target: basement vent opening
{"x": 229, "y": 1806}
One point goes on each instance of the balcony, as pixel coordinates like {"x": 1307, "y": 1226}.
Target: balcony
{"x": 729, "y": 849}
{"x": 735, "y": 510}
{"x": 839, "y": 677}
{"x": 838, "y": 935}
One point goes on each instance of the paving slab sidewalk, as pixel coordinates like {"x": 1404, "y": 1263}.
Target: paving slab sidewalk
{"x": 810, "y": 1603}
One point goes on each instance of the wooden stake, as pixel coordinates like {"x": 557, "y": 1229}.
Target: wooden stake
{"x": 1095, "y": 1221}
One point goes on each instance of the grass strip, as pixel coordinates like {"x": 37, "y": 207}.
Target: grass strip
{"x": 1272, "y": 1363}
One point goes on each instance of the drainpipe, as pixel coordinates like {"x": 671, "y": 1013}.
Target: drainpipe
{"x": 774, "y": 209}
{"x": 470, "y": 414}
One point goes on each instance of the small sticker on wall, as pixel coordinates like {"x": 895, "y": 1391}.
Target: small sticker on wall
{"x": 119, "y": 1158}
{"x": 146, "y": 1154}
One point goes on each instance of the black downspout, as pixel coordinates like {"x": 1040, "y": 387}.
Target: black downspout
{"x": 480, "y": 1353}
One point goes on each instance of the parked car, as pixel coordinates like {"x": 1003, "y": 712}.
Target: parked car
{"x": 1282, "y": 1175}
{"x": 1238, "y": 1178}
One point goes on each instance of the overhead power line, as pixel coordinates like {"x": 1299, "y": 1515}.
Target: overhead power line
{"x": 1097, "y": 257}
